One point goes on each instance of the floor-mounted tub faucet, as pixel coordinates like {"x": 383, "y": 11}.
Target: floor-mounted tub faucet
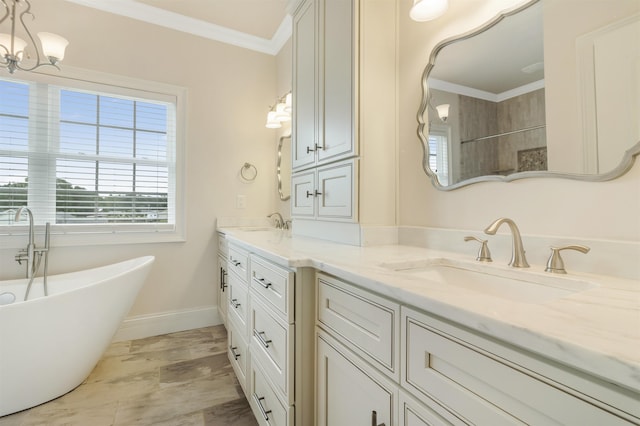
{"x": 518, "y": 259}
{"x": 27, "y": 254}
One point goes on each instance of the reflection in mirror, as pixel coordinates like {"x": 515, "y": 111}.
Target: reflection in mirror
{"x": 491, "y": 97}
{"x": 283, "y": 167}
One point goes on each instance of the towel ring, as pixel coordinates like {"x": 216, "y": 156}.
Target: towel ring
{"x": 251, "y": 170}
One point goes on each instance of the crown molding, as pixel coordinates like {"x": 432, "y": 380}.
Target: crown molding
{"x": 175, "y": 21}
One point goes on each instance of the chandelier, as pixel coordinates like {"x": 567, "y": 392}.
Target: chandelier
{"x": 13, "y": 49}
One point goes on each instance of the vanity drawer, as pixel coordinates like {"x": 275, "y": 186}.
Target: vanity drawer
{"x": 238, "y": 354}
{"x": 239, "y": 262}
{"x": 238, "y": 308}
{"x": 266, "y": 406}
{"x": 274, "y": 285}
{"x": 272, "y": 347}
{"x": 369, "y": 324}
{"x": 416, "y": 413}
{"x": 484, "y": 387}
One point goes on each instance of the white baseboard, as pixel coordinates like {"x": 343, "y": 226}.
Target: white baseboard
{"x": 139, "y": 327}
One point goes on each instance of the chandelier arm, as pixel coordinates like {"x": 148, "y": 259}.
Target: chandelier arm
{"x": 6, "y": 7}
{"x": 33, "y": 41}
{"x": 44, "y": 64}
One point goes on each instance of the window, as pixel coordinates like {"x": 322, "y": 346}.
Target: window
{"x": 89, "y": 157}
{"x": 439, "y": 152}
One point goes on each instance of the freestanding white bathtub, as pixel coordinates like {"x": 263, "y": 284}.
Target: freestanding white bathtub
{"x": 49, "y": 345}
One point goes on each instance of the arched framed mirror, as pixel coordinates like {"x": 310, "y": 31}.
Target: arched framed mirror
{"x": 546, "y": 89}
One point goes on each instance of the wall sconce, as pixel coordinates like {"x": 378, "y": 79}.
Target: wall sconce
{"x": 427, "y": 10}
{"x": 443, "y": 112}
{"x": 279, "y": 112}
{"x": 12, "y": 48}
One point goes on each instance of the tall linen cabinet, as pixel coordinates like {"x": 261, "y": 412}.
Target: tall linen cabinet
{"x": 344, "y": 117}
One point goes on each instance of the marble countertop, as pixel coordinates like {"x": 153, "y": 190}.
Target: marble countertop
{"x": 596, "y": 330}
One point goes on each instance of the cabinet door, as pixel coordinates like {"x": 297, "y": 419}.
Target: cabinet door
{"x": 337, "y": 58}
{"x": 222, "y": 288}
{"x": 336, "y": 195}
{"x": 304, "y": 126}
{"x": 348, "y": 391}
{"x": 303, "y": 186}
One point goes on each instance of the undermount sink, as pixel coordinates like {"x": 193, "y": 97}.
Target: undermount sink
{"x": 521, "y": 285}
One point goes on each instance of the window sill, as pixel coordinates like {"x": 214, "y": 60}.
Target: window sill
{"x": 69, "y": 236}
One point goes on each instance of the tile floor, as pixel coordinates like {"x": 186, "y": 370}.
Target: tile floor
{"x": 177, "y": 379}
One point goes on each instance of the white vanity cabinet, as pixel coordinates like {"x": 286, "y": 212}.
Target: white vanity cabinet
{"x": 238, "y": 313}
{"x": 271, "y": 338}
{"x": 324, "y": 33}
{"x": 414, "y": 368}
{"x": 326, "y": 192}
{"x": 358, "y": 360}
{"x": 484, "y": 381}
{"x": 223, "y": 252}
{"x": 344, "y": 94}
{"x": 349, "y": 391}
{"x": 272, "y": 344}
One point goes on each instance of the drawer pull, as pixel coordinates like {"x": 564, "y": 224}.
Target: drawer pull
{"x": 234, "y": 303}
{"x": 374, "y": 419}
{"x": 223, "y": 281}
{"x": 233, "y": 352}
{"x": 264, "y": 283}
{"x": 260, "y": 336}
{"x": 264, "y": 412}
{"x": 236, "y": 262}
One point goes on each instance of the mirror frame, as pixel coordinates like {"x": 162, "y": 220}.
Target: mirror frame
{"x": 624, "y": 166}
{"x": 279, "y": 166}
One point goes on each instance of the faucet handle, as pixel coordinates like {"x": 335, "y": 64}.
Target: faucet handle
{"x": 483, "y": 254}
{"x": 555, "y": 264}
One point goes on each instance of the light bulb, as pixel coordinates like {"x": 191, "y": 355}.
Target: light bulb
{"x": 426, "y": 10}
{"x": 272, "y": 121}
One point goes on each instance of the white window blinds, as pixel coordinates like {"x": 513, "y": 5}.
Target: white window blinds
{"x": 86, "y": 155}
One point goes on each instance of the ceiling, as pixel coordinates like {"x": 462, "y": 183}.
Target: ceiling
{"x": 261, "y": 25}
{"x": 501, "y": 62}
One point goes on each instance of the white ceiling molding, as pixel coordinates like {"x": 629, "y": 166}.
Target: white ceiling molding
{"x": 459, "y": 89}
{"x": 153, "y": 15}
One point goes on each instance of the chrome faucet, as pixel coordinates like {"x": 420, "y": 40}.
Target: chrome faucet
{"x": 518, "y": 259}
{"x": 27, "y": 254}
{"x": 279, "y": 220}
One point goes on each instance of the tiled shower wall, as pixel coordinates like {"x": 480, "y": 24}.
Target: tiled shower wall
{"x": 499, "y": 155}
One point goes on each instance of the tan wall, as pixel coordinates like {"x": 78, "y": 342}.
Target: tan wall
{"x": 556, "y": 207}
{"x": 229, "y": 90}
